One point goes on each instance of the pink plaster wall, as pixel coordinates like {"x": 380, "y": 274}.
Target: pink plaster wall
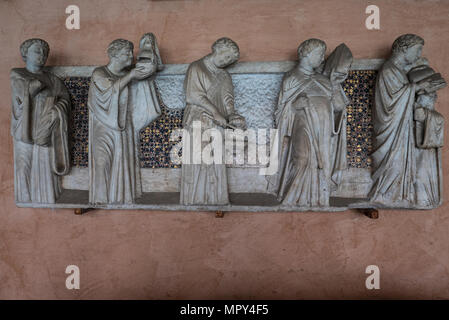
{"x": 130, "y": 254}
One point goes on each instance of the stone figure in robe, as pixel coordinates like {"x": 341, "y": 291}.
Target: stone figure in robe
{"x": 209, "y": 94}
{"x": 117, "y": 112}
{"x": 311, "y": 124}
{"x": 429, "y": 134}
{"x": 403, "y": 118}
{"x": 40, "y": 108}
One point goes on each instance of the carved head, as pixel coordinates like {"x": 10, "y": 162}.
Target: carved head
{"x": 35, "y": 51}
{"x": 409, "y": 46}
{"x": 225, "y": 52}
{"x": 148, "y": 47}
{"x": 427, "y": 100}
{"x": 312, "y": 52}
{"x": 147, "y": 41}
{"x": 121, "y": 51}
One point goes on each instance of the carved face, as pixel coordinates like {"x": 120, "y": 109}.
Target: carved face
{"x": 413, "y": 53}
{"x": 124, "y": 57}
{"x": 146, "y": 43}
{"x": 36, "y": 55}
{"x": 224, "y": 57}
{"x": 316, "y": 57}
{"x": 427, "y": 100}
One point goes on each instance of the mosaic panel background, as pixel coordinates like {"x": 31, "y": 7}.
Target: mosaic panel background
{"x": 78, "y": 88}
{"x": 359, "y": 87}
{"x": 155, "y": 142}
{"x": 155, "y": 145}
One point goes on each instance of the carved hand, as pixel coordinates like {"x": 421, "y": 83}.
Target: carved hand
{"x": 302, "y": 101}
{"x": 218, "y": 117}
{"x": 143, "y": 71}
{"x": 420, "y": 114}
{"x": 35, "y": 87}
{"x": 338, "y": 77}
{"x": 237, "y": 120}
{"x": 426, "y": 85}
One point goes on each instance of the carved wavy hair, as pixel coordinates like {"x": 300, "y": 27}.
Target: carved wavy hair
{"x": 226, "y": 43}
{"x": 28, "y": 43}
{"x": 309, "y": 45}
{"x": 402, "y": 43}
{"x": 117, "y": 45}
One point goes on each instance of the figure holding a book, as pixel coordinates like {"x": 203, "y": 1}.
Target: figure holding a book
{"x": 407, "y": 131}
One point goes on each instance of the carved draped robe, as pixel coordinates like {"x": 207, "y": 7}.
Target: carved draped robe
{"x": 394, "y": 156}
{"x": 307, "y": 133}
{"x": 429, "y": 136}
{"x": 205, "y": 183}
{"x": 115, "y": 120}
{"x": 39, "y": 130}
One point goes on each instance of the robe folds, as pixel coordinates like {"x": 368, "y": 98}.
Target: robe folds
{"x": 429, "y": 140}
{"x": 394, "y": 155}
{"x": 115, "y": 120}
{"x": 309, "y": 141}
{"x": 39, "y": 126}
{"x": 205, "y": 183}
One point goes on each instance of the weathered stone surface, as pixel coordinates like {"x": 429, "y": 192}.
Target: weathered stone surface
{"x": 209, "y": 94}
{"x": 310, "y": 146}
{"x": 256, "y": 86}
{"x": 39, "y": 127}
{"x": 255, "y": 95}
{"x": 121, "y": 103}
{"x": 408, "y": 132}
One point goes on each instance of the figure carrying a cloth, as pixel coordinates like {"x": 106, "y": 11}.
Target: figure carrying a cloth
{"x": 40, "y": 107}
